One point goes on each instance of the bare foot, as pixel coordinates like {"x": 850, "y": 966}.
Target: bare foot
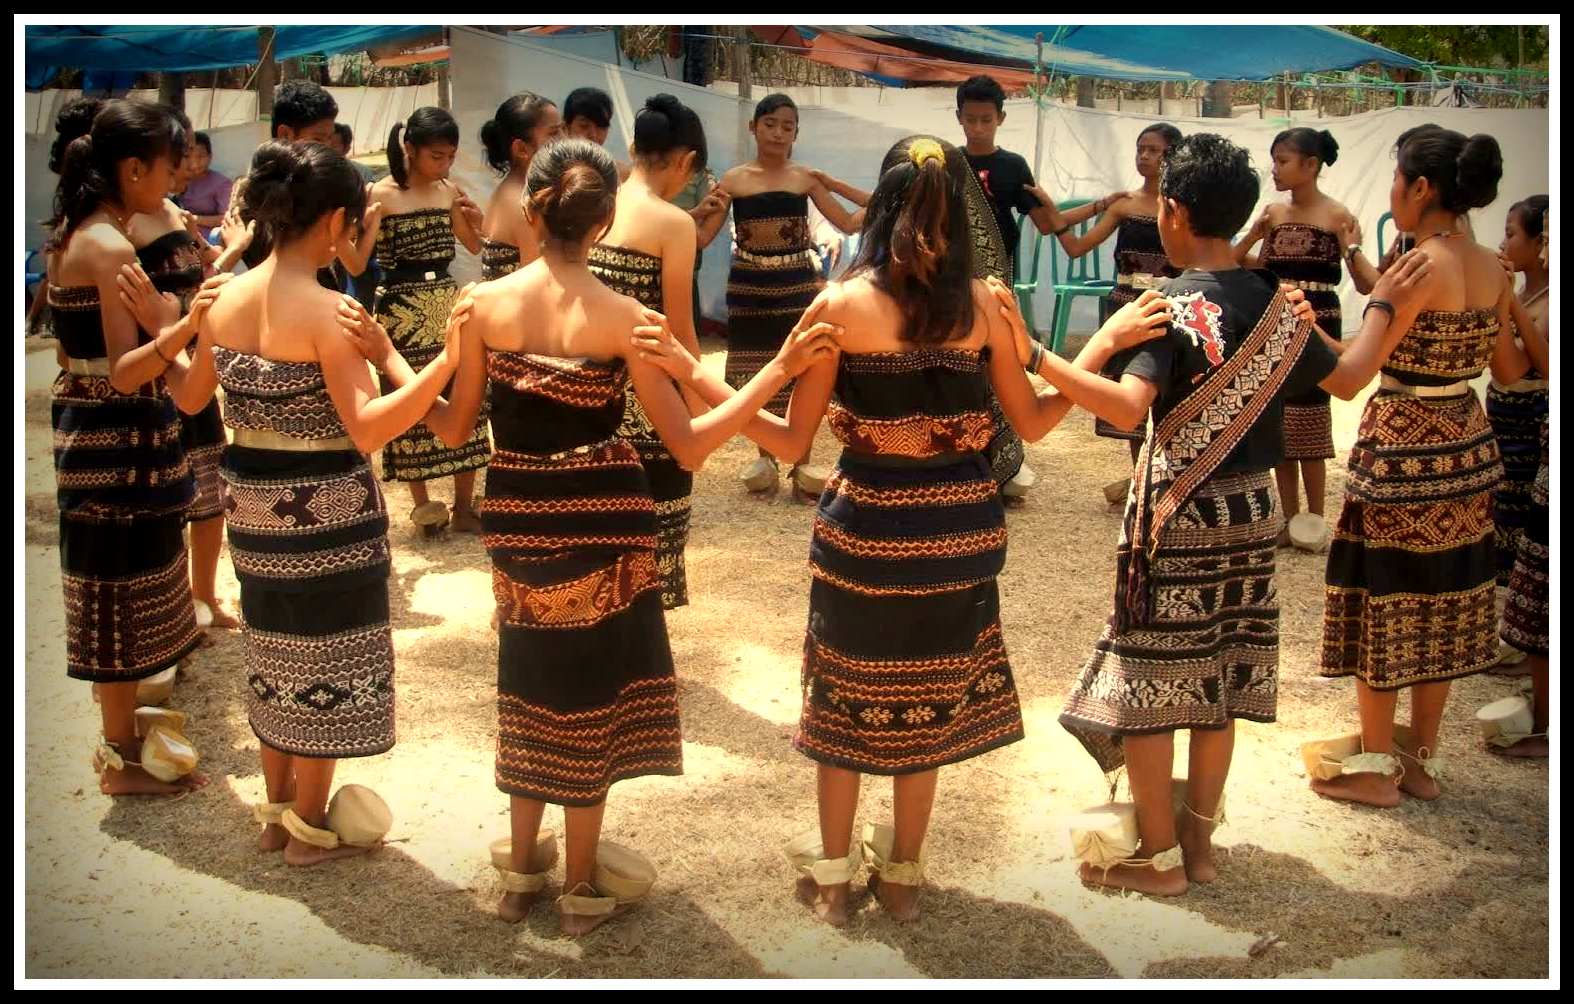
{"x": 304, "y": 855}
{"x": 1417, "y": 784}
{"x": 515, "y": 906}
{"x": 577, "y": 925}
{"x": 465, "y": 521}
{"x": 1529, "y": 748}
{"x": 1367, "y": 788}
{"x": 829, "y": 902}
{"x": 274, "y": 837}
{"x": 133, "y": 780}
{"x": 1196, "y": 842}
{"x": 222, "y": 618}
{"x": 900, "y": 901}
{"x": 1137, "y": 878}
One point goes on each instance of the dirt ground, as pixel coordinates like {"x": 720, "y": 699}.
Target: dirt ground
{"x": 177, "y": 888}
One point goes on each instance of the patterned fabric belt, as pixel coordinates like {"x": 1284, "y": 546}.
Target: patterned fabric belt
{"x": 1398, "y": 386}
{"x": 88, "y": 367}
{"x": 1138, "y": 280}
{"x": 1312, "y": 287}
{"x": 804, "y": 257}
{"x": 267, "y": 439}
{"x": 1521, "y": 386}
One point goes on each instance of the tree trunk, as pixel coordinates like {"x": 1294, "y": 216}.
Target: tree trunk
{"x": 267, "y": 71}
{"x": 172, "y": 90}
{"x": 1216, "y": 100}
{"x": 1085, "y": 92}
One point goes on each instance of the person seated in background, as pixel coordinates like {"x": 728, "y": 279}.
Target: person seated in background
{"x": 207, "y": 192}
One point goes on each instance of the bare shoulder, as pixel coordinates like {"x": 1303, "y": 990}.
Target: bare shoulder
{"x": 98, "y": 246}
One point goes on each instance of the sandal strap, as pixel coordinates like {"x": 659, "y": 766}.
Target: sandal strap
{"x": 578, "y": 905}
{"x": 1432, "y": 766}
{"x": 806, "y": 855}
{"x": 270, "y": 813}
{"x": 877, "y": 844}
{"x": 522, "y": 881}
{"x": 1371, "y": 763}
{"x": 1217, "y": 819}
{"x": 107, "y": 757}
{"x": 1163, "y": 861}
{"x": 308, "y": 834}
{"x": 902, "y": 872}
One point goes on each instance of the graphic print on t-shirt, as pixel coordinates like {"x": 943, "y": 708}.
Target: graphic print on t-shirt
{"x": 983, "y": 179}
{"x": 1199, "y": 317}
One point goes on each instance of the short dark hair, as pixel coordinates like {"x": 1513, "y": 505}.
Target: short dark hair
{"x": 1214, "y": 180}
{"x": 345, "y": 133}
{"x": 591, "y": 103}
{"x": 299, "y": 103}
{"x": 1529, "y": 213}
{"x": 1166, "y": 132}
{"x": 202, "y": 140}
{"x": 981, "y": 88}
{"x": 773, "y": 103}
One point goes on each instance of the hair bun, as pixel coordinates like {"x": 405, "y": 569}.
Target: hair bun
{"x": 1330, "y": 147}
{"x": 1479, "y": 168}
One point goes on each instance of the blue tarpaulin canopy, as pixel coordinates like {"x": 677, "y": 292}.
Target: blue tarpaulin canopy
{"x": 1146, "y": 52}
{"x": 174, "y": 48}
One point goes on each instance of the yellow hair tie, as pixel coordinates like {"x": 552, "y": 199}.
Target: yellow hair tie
{"x": 924, "y": 150}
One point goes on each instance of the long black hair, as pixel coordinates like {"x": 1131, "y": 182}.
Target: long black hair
{"x": 915, "y": 245}
{"x": 426, "y": 126}
{"x": 89, "y": 170}
{"x": 1309, "y": 142}
{"x": 75, "y": 119}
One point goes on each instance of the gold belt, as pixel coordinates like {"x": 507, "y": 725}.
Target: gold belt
{"x": 1138, "y": 280}
{"x": 804, "y": 257}
{"x": 88, "y": 367}
{"x": 267, "y": 439}
{"x": 1398, "y": 386}
{"x": 1313, "y": 287}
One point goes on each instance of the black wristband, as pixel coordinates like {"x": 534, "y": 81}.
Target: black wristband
{"x": 1376, "y": 304}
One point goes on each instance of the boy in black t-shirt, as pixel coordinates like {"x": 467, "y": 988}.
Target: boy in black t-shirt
{"x": 1193, "y": 642}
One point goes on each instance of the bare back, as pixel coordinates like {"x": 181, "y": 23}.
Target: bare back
{"x": 566, "y": 313}
{"x": 1465, "y": 275}
{"x": 276, "y": 317}
{"x": 872, "y": 322}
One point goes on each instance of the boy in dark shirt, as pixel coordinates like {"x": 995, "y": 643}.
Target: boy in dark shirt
{"x": 1193, "y": 642}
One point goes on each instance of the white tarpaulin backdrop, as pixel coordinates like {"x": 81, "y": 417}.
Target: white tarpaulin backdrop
{"x": 1085, "y": 152}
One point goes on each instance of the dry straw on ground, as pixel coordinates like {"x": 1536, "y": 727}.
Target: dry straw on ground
{"x": 162, "y": 888}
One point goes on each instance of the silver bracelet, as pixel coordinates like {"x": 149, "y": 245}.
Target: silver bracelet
{"x": 1035, "y": 358}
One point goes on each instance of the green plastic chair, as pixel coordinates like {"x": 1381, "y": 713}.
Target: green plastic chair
{"x": 1382, "y": 223}
{"x": 1083, "y": 278}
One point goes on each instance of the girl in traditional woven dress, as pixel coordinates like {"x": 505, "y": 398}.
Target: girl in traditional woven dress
{"x": 124, "y": 485}
{"x": 1193, "y": 641}
{"x": 648, "y": 254}
{"x": 1305, "y": 240}
{"x": 775, "y": 274}
{"x": 308, "y": 530}
{"x": 423, "y": 214}
{"x": 1525, "y": 614}
{"x": 1411, "y": 573}
{"x": 1139, "y": 254}
{"x": 586, "y": 688}
{"x": 905, "y": 668}
{"x": 1518, "y": 410}
{"x": 523, "y": 124}
{"x": 173, "y": 252}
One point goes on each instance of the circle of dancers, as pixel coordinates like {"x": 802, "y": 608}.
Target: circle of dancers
{"x": 571, "y": 373}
